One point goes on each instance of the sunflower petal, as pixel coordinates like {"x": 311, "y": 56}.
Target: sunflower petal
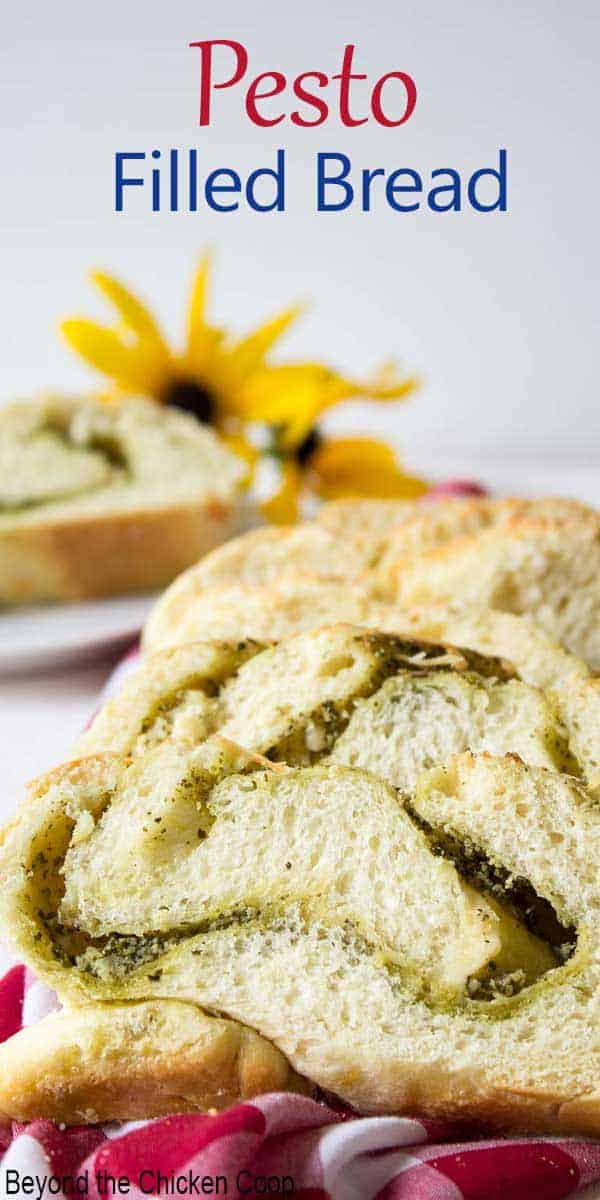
{"x": 204, "y": 358}
{"x": 249, "y": 352}
{"x": 295, "y": 394}
{"x": 244, "y": 449}
{"x": 277, "y": 395}
{"x": 282, "y": 507}
{"x": 389, "y": 383}
{"x": 135, "y": 368}
{"x": 361, "y": 466}
{"x": 134, "y": 313}
{"x": 196, "y": 321}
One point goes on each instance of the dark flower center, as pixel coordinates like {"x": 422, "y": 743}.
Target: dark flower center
{"x": 192, "y": 397}
{"x": 307, "y": 447}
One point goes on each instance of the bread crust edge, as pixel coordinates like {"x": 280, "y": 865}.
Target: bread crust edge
{"x": 107, "y": 554}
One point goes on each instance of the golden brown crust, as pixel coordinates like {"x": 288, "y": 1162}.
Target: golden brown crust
{"x": 103, "y": 555}
{"x": 461, "y": 1095}
{"x": 123, "y": 1062}
{"x": 106, "y": 1063}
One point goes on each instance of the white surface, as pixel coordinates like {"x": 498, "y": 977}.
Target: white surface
{"x": 40, "y": 717}
{"x": 499, "y": 312}
{"x": 42, "y": 636}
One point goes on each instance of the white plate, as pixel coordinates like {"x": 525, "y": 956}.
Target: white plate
{"x": 50, "y": 635}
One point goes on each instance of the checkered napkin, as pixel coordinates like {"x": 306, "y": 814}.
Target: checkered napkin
{"x": 280, "y": 1144}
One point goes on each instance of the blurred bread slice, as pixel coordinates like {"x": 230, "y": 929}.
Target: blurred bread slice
{"x": 428, "y": 525}
{"x": 351, "y": 542}
{"x": 98, "y": 498}
{"x": 295, "y": 601}
{"x": 264, "y": 557}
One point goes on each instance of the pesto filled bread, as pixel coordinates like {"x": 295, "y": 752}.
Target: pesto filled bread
{"x": 298, "y": 602}
{"x": 99, "y": 498}
{"x": 364, "y": 698}
{"x": 410, "y": 952}
{"x": 534, "y": 558}
{"x": 339, "y": 830}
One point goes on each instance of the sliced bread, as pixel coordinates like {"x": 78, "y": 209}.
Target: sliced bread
{"x": 99, "y": 498}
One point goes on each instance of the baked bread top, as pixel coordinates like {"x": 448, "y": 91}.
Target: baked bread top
{"x": 535, "y": 558}
{"x": 548, "y": 569}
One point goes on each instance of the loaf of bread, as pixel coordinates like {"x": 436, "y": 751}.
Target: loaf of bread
{"x": 534, "y": 558}
{"x": 340, "y": 830}
{"x": 408, "y": 952}
{"x": 99, "y": 498}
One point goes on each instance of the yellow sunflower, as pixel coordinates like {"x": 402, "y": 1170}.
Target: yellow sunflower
{"x": 338, "y": 468}
{"x": 230, "y": 382}
{"x": 291, "y": 398}
{"x": 208, "y": 377}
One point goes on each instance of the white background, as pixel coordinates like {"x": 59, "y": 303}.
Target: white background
{"x": 499, "y": 312}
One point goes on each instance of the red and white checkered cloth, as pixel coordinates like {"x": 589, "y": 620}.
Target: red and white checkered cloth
{"x": 280, "y": 1144}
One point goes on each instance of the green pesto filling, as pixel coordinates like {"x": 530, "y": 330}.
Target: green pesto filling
{"x": 514, "y": 892}
{"x": 309, "y": 741}
{"x": 103, "y": 445}
{"x": 167, "y": 704}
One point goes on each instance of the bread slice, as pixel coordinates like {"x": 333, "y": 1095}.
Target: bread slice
{"x": 416, "y": 721}
{"x": 365, "y": 698}
{"x": 382, "y": 948}
{"x": 539, "y": 661}
{"x": 534, "y": 556}
{"x": 172, "y": 695}
{"x": 370, "y": 518}
{"x": 100, "y": 498}
{"x": 298, "y": 601}
{"x": 399, "y": 527}
{"x": 318, "y": 675}
{"x": 266, "y": 611}
{"x": 118, "y": 1062}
